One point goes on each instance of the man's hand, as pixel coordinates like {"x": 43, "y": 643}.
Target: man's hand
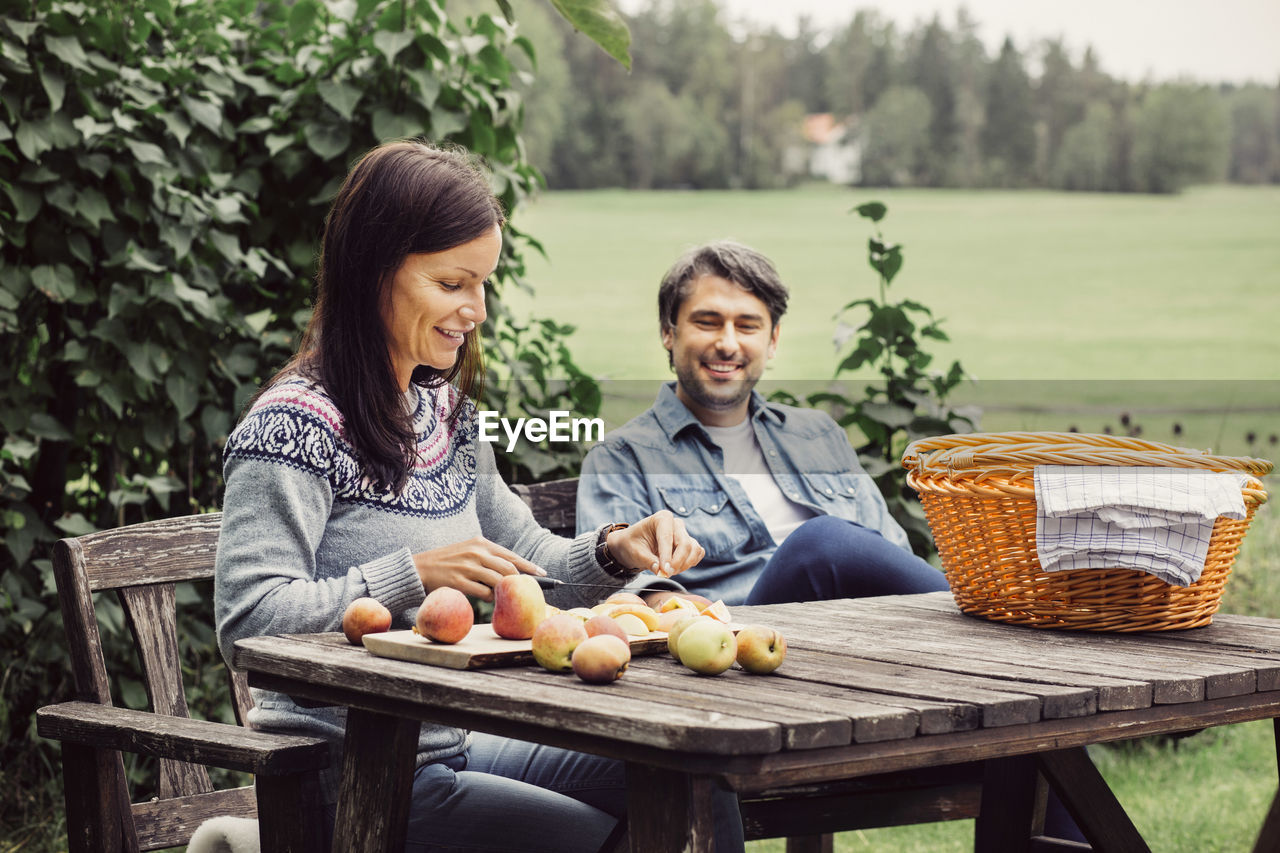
{"x": 473, "y": 566}
{"x": 659, "y": 543}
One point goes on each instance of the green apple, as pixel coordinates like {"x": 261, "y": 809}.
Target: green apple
{"x": 554, "y": 640}
{"x": 673, "y": 633}
{"x": 518, "y": 606}
{"x": 760, "y": 650}
{"x": 707, "y": 646}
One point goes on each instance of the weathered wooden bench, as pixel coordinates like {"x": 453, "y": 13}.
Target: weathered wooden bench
{"x": 806, "y": 816}
{"x": 142, "y": 563}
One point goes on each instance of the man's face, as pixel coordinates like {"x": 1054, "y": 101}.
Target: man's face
{"x": 722, "y": 339}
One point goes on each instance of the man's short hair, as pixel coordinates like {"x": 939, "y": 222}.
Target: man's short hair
{"x": 725, "y": 259}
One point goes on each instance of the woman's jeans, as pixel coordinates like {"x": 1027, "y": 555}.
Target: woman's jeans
{"x": 828, "y": 557}
{"x": 509, "y": 795}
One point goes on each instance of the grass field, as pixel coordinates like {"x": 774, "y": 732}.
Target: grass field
{"x": 1032, "y": 285}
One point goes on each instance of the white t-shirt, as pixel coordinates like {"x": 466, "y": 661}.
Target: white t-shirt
{"x": 744, "y": 462}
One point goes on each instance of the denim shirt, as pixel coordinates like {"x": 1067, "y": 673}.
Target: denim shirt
{"x": 664, "y": 459}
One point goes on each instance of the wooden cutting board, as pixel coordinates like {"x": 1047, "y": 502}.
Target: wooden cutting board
{"x": 481, "y": 648}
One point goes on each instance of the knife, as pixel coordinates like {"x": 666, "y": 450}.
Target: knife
{"x": 548, "y": 582}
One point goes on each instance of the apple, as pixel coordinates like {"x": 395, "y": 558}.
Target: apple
{"x": 707, "y": 646}
{"x": 364, "y": 616}
{"x": 444, "y": 616}
{"x": 554, "y": 640}
{"x": 631, "y": 623}
{"x": 760, "y": 650}
{"x": 601, "y": 659}
{"x": 518, "y": 606}
{"x": 673, "y": 633}
{"x": 625, "y": 598}
{"x": 601, "y": 624}
{"x": 667, "y": 620}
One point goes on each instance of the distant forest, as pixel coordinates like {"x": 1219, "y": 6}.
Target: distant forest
{"x": 707, "y": 106}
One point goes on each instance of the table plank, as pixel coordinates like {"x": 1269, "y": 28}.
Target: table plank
{"x": 354, "y": 676}
{"x": 880, "y": 637}
{"x": 1178, "y": 672}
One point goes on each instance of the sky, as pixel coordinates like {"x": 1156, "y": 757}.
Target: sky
{"x": 1206, "y": 40}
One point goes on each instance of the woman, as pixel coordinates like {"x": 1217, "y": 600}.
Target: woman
{"x": 357, "y": 472}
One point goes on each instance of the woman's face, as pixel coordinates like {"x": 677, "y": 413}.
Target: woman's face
{"x": 435, "y": 300}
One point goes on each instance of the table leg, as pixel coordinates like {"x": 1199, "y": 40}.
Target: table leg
{"x": 1012, "y": 806}
{"x": 378, "y": 757}
{"x": 1269, "y": 835}
{"x": 668, "y": 811}
{"x": 1090, "y": 801}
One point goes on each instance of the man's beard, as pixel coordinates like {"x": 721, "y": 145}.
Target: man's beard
{"x": 718, "y": 396}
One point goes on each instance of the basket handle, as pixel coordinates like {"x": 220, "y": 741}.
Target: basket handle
{"x": 972, "y": 457}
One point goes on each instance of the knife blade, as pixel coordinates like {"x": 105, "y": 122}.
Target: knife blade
{"x": 548, "y": 582}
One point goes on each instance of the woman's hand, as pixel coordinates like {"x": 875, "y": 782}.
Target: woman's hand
{"x": 472, "y": 567}
{"x": 659, "y": 543}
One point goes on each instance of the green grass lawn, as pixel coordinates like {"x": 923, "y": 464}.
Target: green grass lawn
{"x": 1032, "y": 285}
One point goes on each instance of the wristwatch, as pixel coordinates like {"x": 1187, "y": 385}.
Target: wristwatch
{"x": 603, "y": 557}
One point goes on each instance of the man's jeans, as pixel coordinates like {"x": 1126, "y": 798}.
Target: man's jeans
{"x": 509, "y": 795}
{"x": 828, "y": 557}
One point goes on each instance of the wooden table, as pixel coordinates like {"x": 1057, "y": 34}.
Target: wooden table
{"x": 869, "y": 686}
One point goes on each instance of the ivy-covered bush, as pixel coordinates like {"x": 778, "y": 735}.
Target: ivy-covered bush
{"x": 165, "y": 166}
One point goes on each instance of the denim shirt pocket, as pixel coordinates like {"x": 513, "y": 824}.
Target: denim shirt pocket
{"x": 839, "y": 494}
{"x": 708, "y": 517}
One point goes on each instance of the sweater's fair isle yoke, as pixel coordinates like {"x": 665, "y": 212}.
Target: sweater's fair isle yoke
{"x": 296, "y": 424}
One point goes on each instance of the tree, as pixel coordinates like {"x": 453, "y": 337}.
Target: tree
{"x": 1008, "y": 137}
{"x": 896, "y": 137}
{"x": 1180, "y": 138}
{"x": 931, "y": 71}
{"x": 1084, "y": 158}
{"x": 1255, "y": 150}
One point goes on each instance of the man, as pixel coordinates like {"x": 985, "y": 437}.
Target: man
{"x": 774, "y": 493}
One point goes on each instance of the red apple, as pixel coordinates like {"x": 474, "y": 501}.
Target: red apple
{"x": 445, "y": 615}
{"x": 601, "y": 659}
{"x": 760, "y": 650}
{"x": 518, "y": 606}
{"x": 364, "y": 616}
{"x": 707, "y": 646}
{"x": 622, "y": 597}
{"x": 554, "y": 640}
{"x": 601, "y": 624}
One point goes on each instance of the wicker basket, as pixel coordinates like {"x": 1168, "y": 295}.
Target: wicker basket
{"x": 978, "y": 495}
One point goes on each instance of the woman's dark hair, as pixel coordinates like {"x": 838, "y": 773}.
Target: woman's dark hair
{"x": 734, "y": 262}
{"x": 402, "y": 198}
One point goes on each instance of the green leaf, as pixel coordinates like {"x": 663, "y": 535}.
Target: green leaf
{"x": 328, "y": 141}
{"x": 90, "y": 128}
{"x": 34, "y": 138}
{"x": 427, "y": 83}
{"x": 68, "y": 49}
{"x": 872, "y": 210}
{"x": 194, "y": 297}
{"x": 45, "y": 426}
{"x": 55, "y": 88}
{"x": 389, "y": 125}
{"x": 182, "y": 393}
{"x": 26, "y": 202}
{"x": 177, "y": 125}
{"x": 446, "y": 123}
{"x": 389, "y": 43}
{"x": 93, "y": 206}
{"x": 203, "y": 112}
{"x": 302, "y": 18}
{"x": 21, "y": 29}
{"x": 74, "y": 524}
{"x": 342, "y": 97}
{"x": 598, "y": 21}
{"x": 277, "y": 142}
{"x": 146, "y": 152}
{"x": 57, "y": 282}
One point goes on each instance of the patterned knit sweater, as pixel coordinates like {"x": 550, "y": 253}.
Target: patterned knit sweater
{"x": 304, "y": 532}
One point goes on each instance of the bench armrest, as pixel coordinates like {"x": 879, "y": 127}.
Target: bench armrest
{"x": 181, "y": 738}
